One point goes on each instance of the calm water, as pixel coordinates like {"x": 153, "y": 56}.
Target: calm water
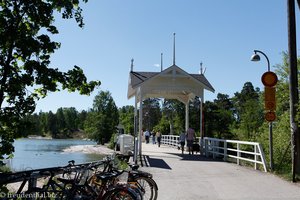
{"x": 43, "y": 153}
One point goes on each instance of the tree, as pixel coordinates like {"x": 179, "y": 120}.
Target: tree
{"x": 219, "y": 117}
{"x": 151, "y": 113}
{"x": 71, "y": 116}
{"x": 25, "y": 50}
{"x": 61, "y": 121}
{"x": 126, "y": 114}
{"x": 81, "y": 119}
{"x": 248, "y": 112}
{"x": 102, "y": 120}
{"x": 174, "y": 112}
{"x": 52, "y": 125}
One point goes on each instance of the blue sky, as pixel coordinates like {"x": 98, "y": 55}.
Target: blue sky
{"x": 220, "y": 33}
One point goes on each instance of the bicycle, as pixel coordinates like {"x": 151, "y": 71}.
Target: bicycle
{"x": 76, "y": 186}
{"x": 136, "y": 178}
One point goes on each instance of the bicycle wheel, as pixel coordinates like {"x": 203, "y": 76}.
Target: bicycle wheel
{"x": 121, "y": 193}
{"x": 148, "y": 187}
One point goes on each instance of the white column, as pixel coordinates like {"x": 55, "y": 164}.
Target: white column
{"x": 140, "y": 123}
{"x": 201, "y": 118}
{"x": 136, "y": 135}
{"x": 187, "y": 115}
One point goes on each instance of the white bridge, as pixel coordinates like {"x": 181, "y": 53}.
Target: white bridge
{"x": 208, "y": 176}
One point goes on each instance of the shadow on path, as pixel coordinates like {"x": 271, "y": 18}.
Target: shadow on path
{"x": 148, "y": 161}
{"x": 195, "y": 157}
{"x": 154, "y": 162}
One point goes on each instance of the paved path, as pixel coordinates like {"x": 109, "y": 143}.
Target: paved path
{"x": 193, "y": 177}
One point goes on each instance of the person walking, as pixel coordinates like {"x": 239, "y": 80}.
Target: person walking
{"x": 190, "y": 136}
{"x": 147, "y": 136}
{"x": 153, "y": 137}
{"x": 158, "y": 137}
{"x": 182, "y": 141}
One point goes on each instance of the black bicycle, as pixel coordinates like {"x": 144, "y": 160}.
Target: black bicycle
{"x": 141, "y": 179}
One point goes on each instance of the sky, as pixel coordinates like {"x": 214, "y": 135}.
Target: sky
{"x": 221, "y": 34}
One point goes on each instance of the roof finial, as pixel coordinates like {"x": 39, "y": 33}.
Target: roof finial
{"x": 131, "y": 64}
{"x": 201, "y": 68}
{"x": 174, "y": 49}
{"x": 161, "y": 62}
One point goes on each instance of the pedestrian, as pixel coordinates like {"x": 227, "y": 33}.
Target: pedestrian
{"x": 158, "y": 136}
{"x": 147, "y": 136}
{"x": 190, "y": 136}
{"x": 153, "y": 137}
{"x": 182, "y": 141}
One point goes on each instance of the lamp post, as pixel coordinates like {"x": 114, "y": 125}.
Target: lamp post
{"x": 293, "y": 81}
{"x": 256, "y": 57}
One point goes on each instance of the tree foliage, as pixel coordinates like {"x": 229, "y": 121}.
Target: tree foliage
{"x": 126, "y": 114}
{"x": 102, "y": 120}
{"x": 219, "y": 117}
{"x": 25, "y": 50}
{"x": 173, "y": 112}
{"x": 248, "y": 112}
{"x": 151, "y": 113}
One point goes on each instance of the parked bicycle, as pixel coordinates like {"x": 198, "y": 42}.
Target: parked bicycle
{"x": 141, "y": 179}
{"x": 75, "y": 184}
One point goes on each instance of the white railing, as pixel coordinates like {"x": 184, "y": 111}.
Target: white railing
{"x": 238, "y": 150}
{"x": 171, "y": 140}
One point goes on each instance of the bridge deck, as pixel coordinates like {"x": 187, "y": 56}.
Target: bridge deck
{"x": 193, "y": 177}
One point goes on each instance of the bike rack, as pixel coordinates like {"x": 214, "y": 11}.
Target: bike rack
{"x": 31, "y": 176}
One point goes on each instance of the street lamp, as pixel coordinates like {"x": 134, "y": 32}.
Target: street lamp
{"x": 256, "y": 57}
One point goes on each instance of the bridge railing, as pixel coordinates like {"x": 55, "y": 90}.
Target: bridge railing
{"x": 171, "y": 140}
{"x": 238, "y": 150}
{"x": 229, "y": 150}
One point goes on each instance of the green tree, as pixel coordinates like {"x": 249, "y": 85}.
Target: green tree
{"x": 61, "y": 122}
{"x": 103, "y": 118}
{"x": 44, "y": 122}
{"x": 71, "y": 116}
{"x": 52, "y": 124}
{"x": 25, "y": 50}
{"x": 219, "y": 117}
{"x": 171, "y": 111}
{"x": 248, "y": 112}
{"x": 151, "y": 113}
{"x": 31, "y": 125}
{"x": 126, "y": 114}
{"x": 81, "y": 119}
{"x": 194, "y": 114}
{"x": 163, "y": 126}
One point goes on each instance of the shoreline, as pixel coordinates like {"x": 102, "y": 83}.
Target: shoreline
{"x": 89, "y": 149}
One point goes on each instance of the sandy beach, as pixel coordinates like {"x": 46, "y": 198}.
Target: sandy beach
{"x": 97, "y": 149}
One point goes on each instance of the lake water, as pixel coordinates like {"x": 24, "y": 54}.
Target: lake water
{"x": 43, "y": 153}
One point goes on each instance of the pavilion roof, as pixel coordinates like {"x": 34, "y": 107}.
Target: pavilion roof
{"x": 166, "y": 81}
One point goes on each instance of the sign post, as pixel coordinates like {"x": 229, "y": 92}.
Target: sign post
{"x": 269, "y": 79}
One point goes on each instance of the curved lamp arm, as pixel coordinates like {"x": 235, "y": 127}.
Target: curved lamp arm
{"x": 257, "y": 51}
